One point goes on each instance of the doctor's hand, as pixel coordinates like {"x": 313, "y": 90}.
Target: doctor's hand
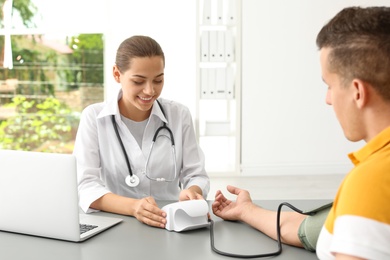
{"x": 147, "y": 211}
{"x": 192, "y": 193}
{"x": 230, "y": 210}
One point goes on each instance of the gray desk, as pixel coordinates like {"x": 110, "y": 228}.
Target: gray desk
{"x": 134, "y": 240}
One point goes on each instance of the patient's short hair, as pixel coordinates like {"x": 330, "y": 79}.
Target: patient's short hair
{"x": 359, "y": 42}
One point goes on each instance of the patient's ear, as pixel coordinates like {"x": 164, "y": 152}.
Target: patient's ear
{"x": 360, "y": 92}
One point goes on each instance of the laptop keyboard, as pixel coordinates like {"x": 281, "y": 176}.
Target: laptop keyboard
{"x": 85, "y": 227}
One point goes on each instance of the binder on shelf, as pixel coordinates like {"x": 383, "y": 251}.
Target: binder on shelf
{"x": 221, "y": 46}
{"x": 219, "y": 12}
{"x": 229, "y": 12}
{"x": 213, "y": 46}
{"x": 229, "y": 46}
{"x": 220, "y": 92}
{"x": 211, "y": 83}
{"x": 206, "y": 15}
{"x": 204, "y": 46}
{"x": 230, "y": 81}
{"x": 204, "y": 81}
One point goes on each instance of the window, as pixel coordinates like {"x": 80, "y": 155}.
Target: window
{"x": 46, "y": 78}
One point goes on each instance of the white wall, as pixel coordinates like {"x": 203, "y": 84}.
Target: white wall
{"x": 286, "y": 126}
{"x": 172, "y": 24}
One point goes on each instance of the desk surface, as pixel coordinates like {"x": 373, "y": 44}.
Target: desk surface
{"x": 133, "y": 240}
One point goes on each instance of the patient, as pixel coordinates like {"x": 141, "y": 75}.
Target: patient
{"x": 355, "y": 61}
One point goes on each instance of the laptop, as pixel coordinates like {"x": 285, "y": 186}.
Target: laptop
{"x": 39, "y": 196}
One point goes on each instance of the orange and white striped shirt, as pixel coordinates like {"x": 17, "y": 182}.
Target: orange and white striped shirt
{"x": 359, "y": 222}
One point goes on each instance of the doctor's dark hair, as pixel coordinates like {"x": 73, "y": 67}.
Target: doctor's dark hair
{"x": 359, "y": 42}
{"x": 137, "y": 46}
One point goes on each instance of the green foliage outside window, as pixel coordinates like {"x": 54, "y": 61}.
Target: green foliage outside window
{"x": 46, "y": 126}
{"x": 25, "y": 8}
{"x": 40, "y": 124}
{"x": 86, "y": 61}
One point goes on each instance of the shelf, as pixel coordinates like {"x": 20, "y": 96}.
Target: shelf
{"x": 218, "y": 84}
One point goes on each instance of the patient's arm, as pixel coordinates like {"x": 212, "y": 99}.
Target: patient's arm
{"x": 243, "y": 209}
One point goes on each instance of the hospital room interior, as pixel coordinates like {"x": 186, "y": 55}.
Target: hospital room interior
{"x": 248, "y": 71}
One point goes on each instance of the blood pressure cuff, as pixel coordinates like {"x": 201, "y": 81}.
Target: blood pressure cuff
{"x": 311, "y": 226}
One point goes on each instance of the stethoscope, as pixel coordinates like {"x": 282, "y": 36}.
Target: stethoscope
{"x": 132, "y": 180}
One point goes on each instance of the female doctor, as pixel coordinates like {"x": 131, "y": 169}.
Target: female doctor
{"x": 121, "y": 168}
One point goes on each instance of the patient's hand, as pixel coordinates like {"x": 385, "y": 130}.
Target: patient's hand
{"x": 232, "y": 210}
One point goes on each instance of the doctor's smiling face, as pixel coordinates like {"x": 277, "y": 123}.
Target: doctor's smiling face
{"x": 141, "y": 86}
{"x": 139, "y": 68}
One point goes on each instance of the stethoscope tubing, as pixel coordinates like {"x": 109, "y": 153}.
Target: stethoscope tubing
{"x": 173, "y": 156}
{"x": 121, "y": 144}
{"x": 132, "y": 180}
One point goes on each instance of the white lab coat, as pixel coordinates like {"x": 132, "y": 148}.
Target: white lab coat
{"x": 101, "y": 165}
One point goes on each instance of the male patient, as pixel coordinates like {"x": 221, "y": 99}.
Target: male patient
{"x": 355, "y": 60}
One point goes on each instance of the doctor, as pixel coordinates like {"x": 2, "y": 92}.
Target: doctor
{"x": 118, "y": 169}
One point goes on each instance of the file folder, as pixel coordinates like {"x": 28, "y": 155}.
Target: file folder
{"x": 213, "y": 53}
{"x": 204, "y": 82}
{"x": 204, "y": 46}
{"x": 219, "y": 12}
{"x": 206, "y": 15}
{"x": 211, "y": 83}
{"x": 220, "y": 46}
{"x": 230, "y": 81}
{"x": 230, "y": 12}
{"x": 229, "y": 46}
{"x": 220, "y": 92}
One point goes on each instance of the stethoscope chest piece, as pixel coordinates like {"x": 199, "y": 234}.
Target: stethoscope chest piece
{"x": 132, "y": 181}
